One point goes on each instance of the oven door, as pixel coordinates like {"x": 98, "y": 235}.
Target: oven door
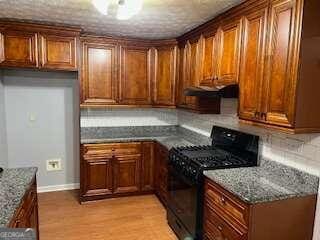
{"x": 183, "y": 203}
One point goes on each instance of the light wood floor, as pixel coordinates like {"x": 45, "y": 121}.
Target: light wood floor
{"x": 130, "y": 218}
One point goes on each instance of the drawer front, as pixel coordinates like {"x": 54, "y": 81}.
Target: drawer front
{"x": 113, "y": 149}
{"x": 215, "y": 228}
{"x": 90, "y": 151}
{"x": 224, "y": 203}
{"x": 127, "y": 149}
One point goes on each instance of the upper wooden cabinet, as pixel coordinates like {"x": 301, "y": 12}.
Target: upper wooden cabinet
{"x": 135, "y": 75}
{"x": 208, "y": 59}
{"x": 165, "y": 75}
{"x": 252, "y": 63}
{"x": 99, "y": 82}
{"x": 38, "y": 46}
{"x": 183, "y": 78}
{"x": 228, "y": 56}
{"x": 19, "y": 49}
{"x": 58, "y": 52}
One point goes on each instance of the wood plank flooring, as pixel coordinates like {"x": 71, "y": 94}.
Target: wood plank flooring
{"x": 129, "y": 218}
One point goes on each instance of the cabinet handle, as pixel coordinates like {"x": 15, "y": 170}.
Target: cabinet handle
{"x": 256, "y": 114}
{"x": 264, "y": 116}
{"x": 223, "y": 200}
{"x": 220, "y": 228}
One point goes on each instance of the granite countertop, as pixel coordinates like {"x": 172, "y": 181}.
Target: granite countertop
{"x": 13, "y": 184}
{"x": 268, "y": 182}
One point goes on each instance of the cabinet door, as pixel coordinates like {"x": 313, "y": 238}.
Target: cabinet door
{"x": 165, "y": 75}
{"x": 147, "y": 166}
{"x": 135, "y": 75}
{"x": 19, "y": 49}
{"x": 193, "y": 70}
{"x": 97, "y": 177}
{"x": 208, "y": 59}
{"x": 183, "y": 73}
{"x": 127, "y": 174}
{"x": 229, "y": 53}
{"x": 252, "y": 64}
{"x": 58, "y": 52}
{"x": 282, "y": 63}
{"x": 99, "y": 75}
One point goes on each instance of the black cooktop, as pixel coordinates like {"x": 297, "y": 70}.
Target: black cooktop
{"x": 211, "y": 157}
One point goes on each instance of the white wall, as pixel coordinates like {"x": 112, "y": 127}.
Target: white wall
{"x": 51, "y": 99}
{"x": 3, "y": 135}
{"x": 128, "y": 117}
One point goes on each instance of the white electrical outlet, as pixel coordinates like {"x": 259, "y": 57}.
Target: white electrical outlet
{"x": 53, "y": 164}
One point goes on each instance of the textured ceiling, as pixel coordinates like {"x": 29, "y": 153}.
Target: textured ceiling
{"x": 159, "y": 19}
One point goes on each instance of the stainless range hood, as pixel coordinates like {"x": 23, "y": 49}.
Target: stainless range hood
{"x": 229, "y": 91}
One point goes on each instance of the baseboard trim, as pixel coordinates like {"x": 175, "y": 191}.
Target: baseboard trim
{"x": 54, "y": 188}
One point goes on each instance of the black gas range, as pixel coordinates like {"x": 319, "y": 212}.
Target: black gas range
{"x": 229, "y": 149}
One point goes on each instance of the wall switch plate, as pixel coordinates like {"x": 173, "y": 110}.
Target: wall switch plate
{"x": 54, "y": 165}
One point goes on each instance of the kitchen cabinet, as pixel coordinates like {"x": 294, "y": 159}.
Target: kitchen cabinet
{"x": 135, "y": 75}
{"x": 228, "y": 217}
{"x": 98, "y": 176}
{"x": 252, "y": 62}
{"x": 161, "y": 172}
{"x": 26, "y": 216}
{"x": 58, "y": 52}
{"x": 19, "y": 49}
{"x": 183, "y": 74}
{"x": 165, "y": 75}
{"x": 148, "y": 167}
{"x": 209, "y": 59}
{"x": 38, "y": 46}
{"x": 122, "y": 169}
{"x": 228, "y": 56}
{"x": 99, "y": 82}
{"x": 127, "y": 174}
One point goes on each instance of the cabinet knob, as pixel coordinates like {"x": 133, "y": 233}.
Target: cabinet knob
{"x": 220, "y": 228}
{"x": 223, "y": 200}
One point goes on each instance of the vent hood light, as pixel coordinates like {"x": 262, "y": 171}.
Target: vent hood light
{"x": 128, "y": 8}
{"x": 101, "y": 6}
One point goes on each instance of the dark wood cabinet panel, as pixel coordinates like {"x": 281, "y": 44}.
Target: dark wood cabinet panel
{"x": 127, "y": 174}
{"x": 228, "y": 217}
{"x": 183, "y": 74}
{"x": 147, "y": 167}
{"x": 26, "y": 216}
{"x": 135, "y": 75}
{"x": 58, "y": 52}
{"x": 19, "y": 49}
{"x": 208, "y": 59}
{"x": 165, "y": 75}
{"x": 229, "y": 52}
{"x": 99, "y": 77}
{"x": 280, "y": 72}
{"x": 98, "y": 177}
{"x": 252, "y": 64}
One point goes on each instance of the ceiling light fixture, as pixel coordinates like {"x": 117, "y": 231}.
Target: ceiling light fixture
{"x": 101, "y": 6}
{"x": 128, "y": 8}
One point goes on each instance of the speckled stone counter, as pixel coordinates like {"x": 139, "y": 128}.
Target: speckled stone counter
{"x": 169, "y": 136}
{"x": 268, "y": 182}
{"x": 13, "y": 184}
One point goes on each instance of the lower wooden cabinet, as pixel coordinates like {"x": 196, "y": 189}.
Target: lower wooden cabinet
{"x": 228, "y": 217}
{"x": 161, "y": 172}
{"x": 26, "y": 215}
{"x": 127, "y": 174}
{"x": 116, "y": 169}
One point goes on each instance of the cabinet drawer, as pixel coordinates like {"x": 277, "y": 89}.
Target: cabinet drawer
{"x": 223, "y": 202}
{"x": 97, "y": 150}
{"x": 133, "y": 148}
{"x": 216, "y": 228}
{"x": 110, "y": 149}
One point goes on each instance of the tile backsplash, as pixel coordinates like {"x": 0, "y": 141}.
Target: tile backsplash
{"x": 300, "y": 151}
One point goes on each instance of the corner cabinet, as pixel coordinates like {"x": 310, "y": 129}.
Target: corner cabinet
{"x": 99, "y": 79}
{"x": 135, "y": 75}
{"x": 116, "y": 169}
{"x": 165, "y": 76}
